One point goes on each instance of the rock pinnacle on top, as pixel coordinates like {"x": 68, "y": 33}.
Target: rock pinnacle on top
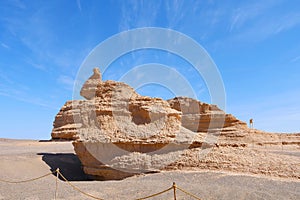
{"x": 90, "y": 86}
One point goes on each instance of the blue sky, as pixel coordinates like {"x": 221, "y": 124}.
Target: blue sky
{"x": 255, "y": 44}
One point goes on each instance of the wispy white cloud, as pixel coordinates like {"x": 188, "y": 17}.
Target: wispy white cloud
{"x": 79, "y": 5}
{"x": 259, "y": 21}
{"x": 9, "y": 87}
{"x": 242, "y": 15}
{"x": 5, "y": 45}
{"x": 234, "y": 21}
{"x": 5, "y": 79}
{"x": 35, "y": 65}
{"x": 30, "y": 31}
{"x": 8, "y": 84}
{"x": 266, "y": 28}
{"x": 34, "y": 101}
{"x": 33, "y": 31}
{"x": 67, "y": 81}
{"x": 138, "y": 14}
{"x": 19, "y": 4}
{"x": 175, "y": 11}
{"x": 287, "y": 22}
{"x": 295, "y": 59}
{"x": 20, "y": 93}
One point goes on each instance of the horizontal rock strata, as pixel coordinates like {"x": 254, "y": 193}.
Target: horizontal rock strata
{"x": 118, "y": 133}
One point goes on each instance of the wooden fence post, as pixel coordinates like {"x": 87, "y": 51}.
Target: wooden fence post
{"x": 174, "y": 189}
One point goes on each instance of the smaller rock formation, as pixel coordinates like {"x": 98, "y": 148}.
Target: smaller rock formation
{"x": 203, "y": 117}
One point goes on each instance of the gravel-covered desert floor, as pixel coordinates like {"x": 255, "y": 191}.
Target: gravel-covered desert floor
{"x": 25, "y": 159}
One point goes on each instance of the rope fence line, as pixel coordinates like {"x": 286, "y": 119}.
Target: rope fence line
{"x": 188, "y": 193}
{"x": 76, "y": 188}
{"x": 156, "y": 194}
{"x": 57, "y": 173}
{"x": 29, "y": 180}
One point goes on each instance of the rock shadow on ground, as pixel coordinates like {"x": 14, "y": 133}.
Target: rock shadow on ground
{"x": 68, "y": 164}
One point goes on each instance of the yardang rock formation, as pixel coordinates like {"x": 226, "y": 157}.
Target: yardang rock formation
{"x": 118, "y": 133}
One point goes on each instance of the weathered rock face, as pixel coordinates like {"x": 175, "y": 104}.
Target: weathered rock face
{"x": 118, "y": 133}
{"x": 114, "y": 122}
{"x": 64, "y": 126}
{"x": 202, "y": 117}
{"x": 115, "y": 109}
{"x": 114, "y": 128}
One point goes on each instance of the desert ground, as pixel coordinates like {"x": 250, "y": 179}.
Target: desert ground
{"x": 26, "y": 159}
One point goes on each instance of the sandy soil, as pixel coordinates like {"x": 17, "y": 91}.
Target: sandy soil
{"x": 24, "y": 159}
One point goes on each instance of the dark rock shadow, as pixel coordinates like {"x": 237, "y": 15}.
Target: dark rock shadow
{"x": 68, "y": 164}
{"x": 45, "y": 140}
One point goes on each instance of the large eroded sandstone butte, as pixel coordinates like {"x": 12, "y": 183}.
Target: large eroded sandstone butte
{"x": 118, "y": 133}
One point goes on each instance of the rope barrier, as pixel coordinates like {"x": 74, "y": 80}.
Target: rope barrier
{"x": 58, "y": 173}
{"x": 29, "y": 180}
{"x": 156, "y": 194}
{"x": 188, "y": 193}
{"x": 76, "y": 188}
